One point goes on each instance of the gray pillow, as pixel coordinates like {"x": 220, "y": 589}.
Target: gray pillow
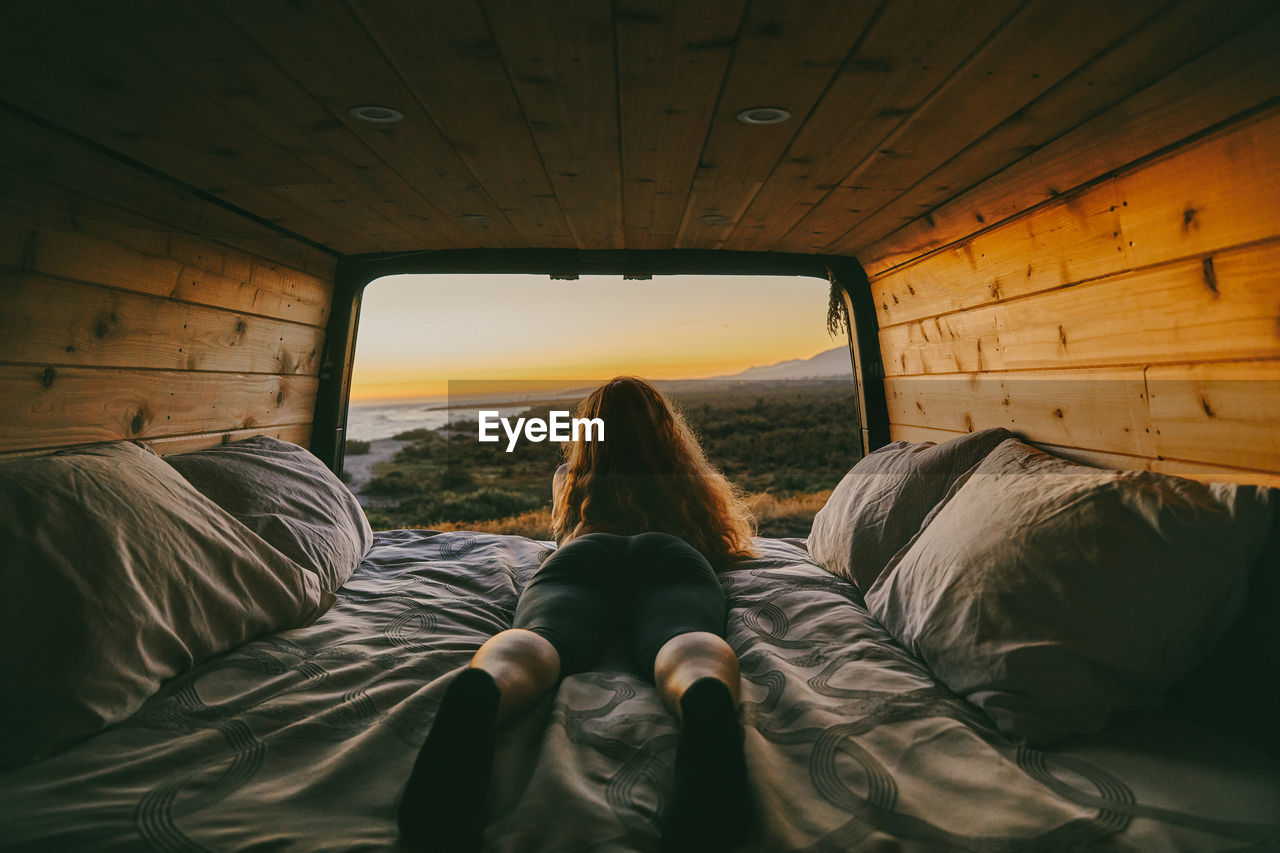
{"x": 288, "y": 497}
{"x": 118, "y": 575}
{"x": 883, "y": 500}
{"x": 1053, "y": 595}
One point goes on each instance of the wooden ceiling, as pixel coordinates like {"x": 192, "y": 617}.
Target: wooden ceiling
{"x": 589, "y": 124}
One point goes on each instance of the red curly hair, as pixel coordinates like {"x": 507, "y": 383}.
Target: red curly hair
{"x": 650, "y": 474}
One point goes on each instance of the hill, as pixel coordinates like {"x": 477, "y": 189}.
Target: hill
{"x": 830, "y": 363}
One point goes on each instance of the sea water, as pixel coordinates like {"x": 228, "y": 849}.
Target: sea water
{"x": 372, "y": 421}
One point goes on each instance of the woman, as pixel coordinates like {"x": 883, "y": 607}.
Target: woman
{"x": 644, "y": 522}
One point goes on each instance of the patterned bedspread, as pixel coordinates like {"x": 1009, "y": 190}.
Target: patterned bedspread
{"x": 301, "y": 740}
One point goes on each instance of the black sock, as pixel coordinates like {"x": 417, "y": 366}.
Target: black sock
{"x": 710, "y": 803}
{"x": 442, "y": 805}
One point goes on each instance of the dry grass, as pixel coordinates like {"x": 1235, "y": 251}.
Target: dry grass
{"x": 779, "y": 517}
{"x": 765, "y": 506}
{"x": 536, "y": 524}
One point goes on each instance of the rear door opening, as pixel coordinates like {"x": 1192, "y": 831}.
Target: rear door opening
{"x": 442, "y": 359}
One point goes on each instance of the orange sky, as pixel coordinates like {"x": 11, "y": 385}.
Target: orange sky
{"x": 418, "y": 332}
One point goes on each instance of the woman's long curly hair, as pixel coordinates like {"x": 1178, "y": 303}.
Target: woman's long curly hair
{"x": 649, "y": 474}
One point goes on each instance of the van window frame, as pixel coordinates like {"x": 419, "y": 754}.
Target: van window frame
{"x": 355, "y": 272}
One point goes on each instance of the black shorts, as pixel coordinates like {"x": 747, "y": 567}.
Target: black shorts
{"x": 653, "y": 586}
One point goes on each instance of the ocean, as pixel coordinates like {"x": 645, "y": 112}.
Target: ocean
{"x": 372, "y": 421}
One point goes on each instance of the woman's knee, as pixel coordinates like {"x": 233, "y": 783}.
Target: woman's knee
{"x": 522, "y": 664}
{"x": 689, "y": 657}
{"x": 517, "y": 650}
{"x": 703, "y": 646}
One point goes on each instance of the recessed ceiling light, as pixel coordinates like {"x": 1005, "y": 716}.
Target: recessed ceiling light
{"x": 375, "y": 114}
{"x": 474, "y": 217}
{"x": 763, "y": 115}
{"x": 713, "y": 219}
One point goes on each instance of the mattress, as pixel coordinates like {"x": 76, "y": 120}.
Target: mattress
{"x": 301, "y": 740}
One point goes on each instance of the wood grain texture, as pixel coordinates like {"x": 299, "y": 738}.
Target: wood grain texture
{"x": 1007, "y": 73}
{"x": 192, "y": 275}
{"x": 1133, "y": 323}
{"x": 1176, "y": 467}
{"x": 1116, "y": 461}
{"x": 1211, "y": 195}
{"x": 1069, "y": 209}
{"x": 1226, "y": 81}
{"x": 787, "y": 54}
{"x": 48, "y": 177}
{"x": 324, "y": 46}
{"x": 1175, "y": 36}
{"x": 447, "y": 57}
{"x": 672, "y": 58}
{"x": 370, "y": 197}
{"x": 55, "y": 407}
{"x": 910, "y": 49}
{"x": 921, "y": 434}
{"x": 608, "y": 125}
{"x": 49, "y": 229}
{"x": 110, "y": 92}
{"x": 561, "y": 60}
{"x": 299, "y": 434}
{"x": 131, "y": 308}
{"x": 55, "y": 322}
{"x": 1104, "y": 409}
{"x": 1223, "y": 306}
{"x": 1220, "y": 414}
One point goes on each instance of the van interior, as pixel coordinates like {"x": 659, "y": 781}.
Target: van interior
{"x": 1037, "y": 612}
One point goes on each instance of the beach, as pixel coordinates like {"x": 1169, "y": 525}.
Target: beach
{"x": 359, "y": 467}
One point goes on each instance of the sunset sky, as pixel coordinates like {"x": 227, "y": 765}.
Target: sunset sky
{"x": 419, "y": 332}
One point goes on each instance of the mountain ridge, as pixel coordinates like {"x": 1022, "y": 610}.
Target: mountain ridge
{"x": 828, "y": 363}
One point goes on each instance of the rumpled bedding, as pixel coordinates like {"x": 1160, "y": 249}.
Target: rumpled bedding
{"x": 301, "y": 740}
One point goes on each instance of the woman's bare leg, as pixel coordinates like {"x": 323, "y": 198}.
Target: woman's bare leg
{"x": 686, "y": 658}
{"x": 523, "y": 664}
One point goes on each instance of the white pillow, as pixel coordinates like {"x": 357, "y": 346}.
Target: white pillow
{"x": 1053, "y": 595}
{"x": 881, "y": 503}
{"x": 117, "y": 575}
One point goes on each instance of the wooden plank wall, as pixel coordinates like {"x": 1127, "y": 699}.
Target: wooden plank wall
{"x": 1128, "y": 315}
{"x": 130, "y": 308}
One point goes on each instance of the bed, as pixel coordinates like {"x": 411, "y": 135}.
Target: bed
{"x": 857, "y": 735}
{"x": 300, "y": 740}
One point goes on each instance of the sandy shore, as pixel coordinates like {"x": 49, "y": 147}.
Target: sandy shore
{"x": 360, "y": 466}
